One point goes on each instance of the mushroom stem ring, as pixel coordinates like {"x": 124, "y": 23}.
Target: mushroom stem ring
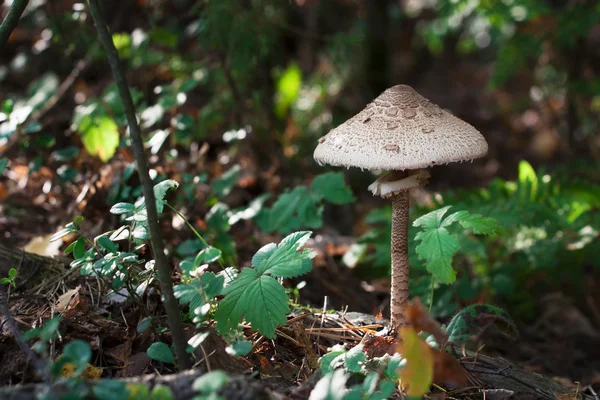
{"x": 397, "y": 181}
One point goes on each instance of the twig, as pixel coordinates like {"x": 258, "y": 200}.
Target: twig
{"x": 161, "y": 262}
{"x": 591, "y": 389}
{"x": 12, "y": 19}
{"x": 10, "y": 320}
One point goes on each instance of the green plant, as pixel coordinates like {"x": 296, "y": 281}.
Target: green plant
{"x": 256, "y": 294}
{"x": 11, "y": 278}
{"x": 302, "y": 207}
{"x": 547, "y": 221}
{"x": 209, "y": 384}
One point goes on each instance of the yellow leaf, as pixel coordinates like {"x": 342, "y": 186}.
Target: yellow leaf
{"x": 417, "y": 375}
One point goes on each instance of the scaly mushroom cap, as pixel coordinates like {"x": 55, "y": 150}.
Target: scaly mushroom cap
{"x": 400, "y": 130}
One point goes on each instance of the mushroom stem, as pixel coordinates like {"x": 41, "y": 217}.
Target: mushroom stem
{"x": 400, "y": 266}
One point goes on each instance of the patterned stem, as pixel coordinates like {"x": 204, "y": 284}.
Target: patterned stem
{"x": 400, "y": 266}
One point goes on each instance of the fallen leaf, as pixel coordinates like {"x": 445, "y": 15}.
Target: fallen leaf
{"x": 42, "y": 246}
{"x": 417, "y": 376}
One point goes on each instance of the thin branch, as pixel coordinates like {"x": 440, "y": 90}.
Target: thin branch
{"x": 12, "y": 19}
{"x": 162, "y": 266}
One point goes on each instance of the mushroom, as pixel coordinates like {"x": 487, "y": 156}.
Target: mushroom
{"x": 402, "y": 132}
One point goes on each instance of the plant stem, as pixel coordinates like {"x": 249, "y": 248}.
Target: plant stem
{"x": 162, "y": 266}
{"x": 400, "y": 265}
{"x": 12, "y": 19}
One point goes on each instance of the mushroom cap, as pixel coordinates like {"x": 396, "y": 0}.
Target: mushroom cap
{"x": 400, "y": 130}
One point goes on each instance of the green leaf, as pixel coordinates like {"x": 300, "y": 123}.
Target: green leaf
{"x": 3, "y": 164}
{"x": 122, "y": 42}
{"x": 333, "y": 359}
{"x": 481, "y": 225}
{"x": 281, "y": 216}
{"x": 191, "y": 293}
{"x": 66, "y": 153}
{"x": 107, "y": 389}
{"x": 222, "y": 186}
{"x": 122, "y": 208}
{"x": 438, "y": 247}
{"x": 207, "y": 255}
{"x": 161, "y": 392}
{"x": 528, "y": 178}
{"x": 79, "y": 248}
{"x": 433, "y": 219}
{"x": 107, "y": 244}
{"x": 285, "y": 260}
{"x": 332, "y": 187}
{"x": 12, "y": 273}
{"x": 473, "y": 320}
{"x": 160, "y": 191}
{"x": 79, "y": 354}
{"x": 355, "y": 357}
{"x": 144, "y": 324}
{"x": 161, "y": 352}
{"x": 210, "y": 382}
{"x": 239, "y": 348}
{"x": 100, "y": 136}
{"x": 288, "y": 87}
{"x": 260, "y": 299}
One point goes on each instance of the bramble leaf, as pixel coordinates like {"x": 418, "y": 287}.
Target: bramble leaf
{"x": 332, "y": 187}
{"x": 438, "y": 247}
{"x": 481, "y": 225}
{"x": 261, "y": 299}
{"x": 285, "y": 260}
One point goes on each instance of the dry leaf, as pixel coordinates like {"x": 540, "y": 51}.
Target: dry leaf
{"x": 42, "y": 246}
{"x": 417, "y": 375}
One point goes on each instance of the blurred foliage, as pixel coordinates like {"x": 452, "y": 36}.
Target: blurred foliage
{"x": 550, "y": 222}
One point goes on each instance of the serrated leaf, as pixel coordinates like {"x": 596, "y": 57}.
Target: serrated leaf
{"x": 432, "y": 219}
{"x": 332, "y": 187}
{"x": 281, "y": 217}
{"x": 160, "y": 351}
{"x": 333, "y": 359}
{"x": 285, "y": 260}
{"x": 213, "y": 284}
{"x": 191, "y": 293}
{"x": 437, "y": 248}
{"x": 160, "y": 191}
{"x": 481, "y": 225}
{"x": 260, "y": 299}
{"x": 122, "y": 208}
{"x": 355, "y": 357}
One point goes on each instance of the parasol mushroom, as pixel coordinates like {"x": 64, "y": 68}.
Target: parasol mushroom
{"x": 404, "y": 133}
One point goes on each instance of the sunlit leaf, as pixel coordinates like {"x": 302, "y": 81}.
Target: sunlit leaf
{"x": 100, "y": 136}
{"x": 417, "y": 375}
